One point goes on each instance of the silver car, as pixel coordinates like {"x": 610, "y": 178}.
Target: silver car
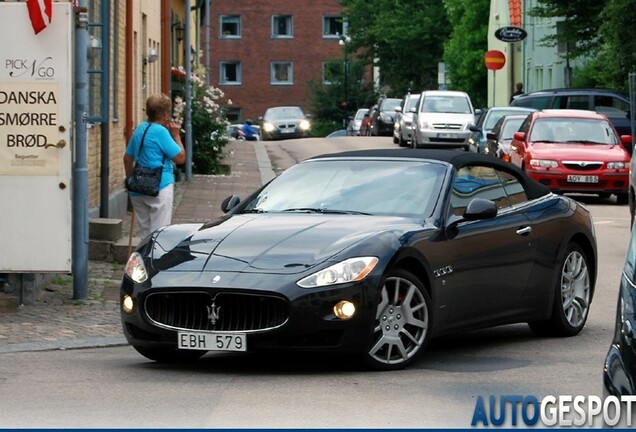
{"x": 442, "y": 119}
{"x": 403, "y": 127}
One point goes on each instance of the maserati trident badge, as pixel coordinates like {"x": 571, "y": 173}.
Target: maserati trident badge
{"x": 213, "y": 313}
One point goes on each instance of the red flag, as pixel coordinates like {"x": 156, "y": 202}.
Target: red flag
{"x": 41, "y": 13}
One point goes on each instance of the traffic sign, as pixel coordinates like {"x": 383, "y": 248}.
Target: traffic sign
{"x": 494, "y": 60}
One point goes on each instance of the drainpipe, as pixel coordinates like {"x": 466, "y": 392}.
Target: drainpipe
{"x": 128, "y": 128}
{"x": 165, "y": 47}
{"x": 105, "y": 109}
{"x": 188, "y": 92}
{"x": 80, "y": 167}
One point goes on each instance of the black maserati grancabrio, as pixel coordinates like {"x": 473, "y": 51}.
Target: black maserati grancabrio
{"x": 368, "y": 252}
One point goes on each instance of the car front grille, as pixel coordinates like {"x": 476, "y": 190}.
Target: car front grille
{"x": 452, "y": 126}
{"x": 583, "y": 165}
{"x": 216, "y": 312}
{"x": 285, "y": 126}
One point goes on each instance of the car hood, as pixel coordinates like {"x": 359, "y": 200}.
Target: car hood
{"x": 588, "y": 152}
{"x": 447, "y": 118}
{"x": 276, "y": 243}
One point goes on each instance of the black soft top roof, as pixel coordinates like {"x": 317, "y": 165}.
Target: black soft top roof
{"x": 455, "y": 158}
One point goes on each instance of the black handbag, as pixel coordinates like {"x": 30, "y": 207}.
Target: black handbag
{"x": 144, "y": 180}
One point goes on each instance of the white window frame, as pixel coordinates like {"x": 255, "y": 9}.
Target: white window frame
{"x": 327, "y": 23}
{"x": 275, "y": 34}
{"x": 223, "y": 73}
{"x": 290, "y": 73}
{"x": 236, "y": 19}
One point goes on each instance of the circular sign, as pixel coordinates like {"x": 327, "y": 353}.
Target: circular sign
{"x": 511, "y": 34}
{"x": 494, "y": 60}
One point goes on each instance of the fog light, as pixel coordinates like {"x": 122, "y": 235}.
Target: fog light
{"x": 127, "y": 304}
{"x": 344, "y": 309}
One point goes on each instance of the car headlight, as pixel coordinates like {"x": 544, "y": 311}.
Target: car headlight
{"x": 136, "y": 269}
{"x": 424, "y": 125}
{"x": 351, "y": 270}
{"x": 304, "y": 125}
{"x": 615, "y": 165}
{"x": 268, "y": 127}
{"x": 544, "y": 163}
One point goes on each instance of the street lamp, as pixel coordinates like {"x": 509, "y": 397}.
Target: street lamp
{"x": 344, "y": 41}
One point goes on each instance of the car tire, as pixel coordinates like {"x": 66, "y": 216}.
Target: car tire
{"x": 401, "y": 141}
{"x": 572, "y": 296}
{"x": 395, "y": 140}
{"x": 169, "y": 355}
{"x": 401, "y": 328}
{"x": 622, "y": 199}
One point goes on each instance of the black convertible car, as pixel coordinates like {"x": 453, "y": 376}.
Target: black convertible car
{"x": 370, "y": 252}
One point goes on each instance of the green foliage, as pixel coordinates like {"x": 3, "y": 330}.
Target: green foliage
{"x": 328, "y": 105}
{"x": 466, "y": 46}
{"x": 405, "y": 38}
{"x": 207, "y": 122}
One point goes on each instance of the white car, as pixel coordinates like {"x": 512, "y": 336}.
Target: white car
{"x": 353, "y": 128}
{"x": 442, "y": 119}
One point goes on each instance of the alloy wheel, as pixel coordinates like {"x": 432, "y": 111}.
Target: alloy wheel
{"x": 575, "y": 288}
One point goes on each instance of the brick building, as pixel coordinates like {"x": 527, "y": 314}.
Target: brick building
{"x": 263, "y": 53}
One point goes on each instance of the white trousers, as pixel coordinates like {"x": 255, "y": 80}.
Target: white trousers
{"x": 153, "y": 212}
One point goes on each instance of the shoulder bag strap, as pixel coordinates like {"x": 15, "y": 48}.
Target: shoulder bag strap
{"x": 163, "y": 161}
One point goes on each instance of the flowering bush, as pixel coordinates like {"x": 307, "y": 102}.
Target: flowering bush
{"x": 207, "y": 122}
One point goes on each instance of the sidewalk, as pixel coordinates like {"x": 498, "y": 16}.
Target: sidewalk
{"x": 56, "y": 321}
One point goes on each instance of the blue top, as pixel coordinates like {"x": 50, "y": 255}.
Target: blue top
{"x": 248, "y": 130}
{"x": 157, "y": 144}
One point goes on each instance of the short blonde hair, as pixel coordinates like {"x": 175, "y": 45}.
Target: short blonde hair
{"x": 157, "y": 106}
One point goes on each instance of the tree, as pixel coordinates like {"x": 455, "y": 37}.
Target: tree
{"x": 466, "y": 46}
{"x": 404, "y": 38}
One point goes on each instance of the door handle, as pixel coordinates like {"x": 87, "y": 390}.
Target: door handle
{"x": 60, "y": 144}
{"x": 524, "y": 231}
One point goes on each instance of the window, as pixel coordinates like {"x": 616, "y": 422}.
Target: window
{"x": 233, "y": 115}
{"x": 331, "y": 71}
{"x": 282, "y": 26}
{"x": 230, "y": 73}
{"x": 282, "y": 73}
{"x": 611, "y": 106}
{"x": 230, "y": 26}
{"x": 333, "y": 27}
{"x": 478, "y": 182}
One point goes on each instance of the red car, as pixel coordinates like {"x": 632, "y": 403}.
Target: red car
{"x": 573, "y": 151}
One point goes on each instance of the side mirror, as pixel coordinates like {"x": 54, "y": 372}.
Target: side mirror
{"x": 626, "y": 140}
{"x": 491, "y": 136}
{"x": 520, "y": 136}
{"x": 398, "y": 109}
{"x": 413, "y": 110}
{"x": 480, "y": 208}
{"x": 229, "y": 203}
{"x": 478, "y": 112}
{"x": 474, "y": 128}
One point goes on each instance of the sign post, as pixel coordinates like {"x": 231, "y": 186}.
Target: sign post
{"x": 494, "y": 60}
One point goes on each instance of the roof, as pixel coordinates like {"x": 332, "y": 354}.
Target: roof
{"x": 570, "y": 113}
{"x": 516, "y": 12}
{"x": 455, "y": 158}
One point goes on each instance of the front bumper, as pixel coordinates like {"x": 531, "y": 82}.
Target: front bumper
{"x": 442, "y": 138}
{"x": 557, "y": 180}
{"x": 273, "y": 316}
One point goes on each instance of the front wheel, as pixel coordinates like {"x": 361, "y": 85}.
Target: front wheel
{"x": 402, "y": 322}
{"x": 169, "y": 355}
{"x": 573, "y": 295}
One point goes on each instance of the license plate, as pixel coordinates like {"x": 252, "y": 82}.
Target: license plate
{"x": 582, "y": 179}
{"x": 212, "y": 341}
{"x": 288, "y": 130}
{"x": 446, "y": 135}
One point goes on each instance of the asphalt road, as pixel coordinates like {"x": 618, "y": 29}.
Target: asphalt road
{"x": 116, "y": 387}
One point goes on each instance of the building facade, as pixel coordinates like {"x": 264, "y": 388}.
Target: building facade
{"x": 262, "y": 54}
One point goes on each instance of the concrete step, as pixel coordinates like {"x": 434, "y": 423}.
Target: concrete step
{"x": 109, "y": 229}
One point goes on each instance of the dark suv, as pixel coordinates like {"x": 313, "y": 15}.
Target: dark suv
{"x": 383, "y": 119}
{"x": 614, "y": 104}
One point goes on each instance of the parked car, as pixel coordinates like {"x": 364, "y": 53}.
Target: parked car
{"x": 235, "y": 131}
{"x": 285, "y": 122}
{"x": 383, "y": 119}
{"x": 369, "y": 252}
{"x": 498, "y": 140}
{"x": 614, "y": 104}
{"x": 442, "y": 119}
{"x": 573, "y": 151}
{"x": 631, "y": 195}
{"x": 365, "y": 125}
{"x": 353, "y": 128}
{"x": 403, "y": 127}
{"x": 619, "y": 371}
{"x": 486, "y": 121}
{"x": 338, "y": 133}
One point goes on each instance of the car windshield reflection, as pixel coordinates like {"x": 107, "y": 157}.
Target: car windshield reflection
{"x": 400, "y": 188}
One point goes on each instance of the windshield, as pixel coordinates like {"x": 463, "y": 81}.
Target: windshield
{"x": 411, "y": 103}
{"x": 446, "y": 104}
{"x": 378, "y": 187}
{"x": 573, "y": 130}
{"x": 510, "y": 127}
{"x": 391, "y": 104}
{"x": 494, "y": 116}
{"x": 284, "y": 113}
{"x": 360, "y": 114}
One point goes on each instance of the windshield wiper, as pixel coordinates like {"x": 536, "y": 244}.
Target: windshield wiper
{"x": 585, "y": 142}
{"x": 323, "y": 211}
{"x": 254, "y": 210}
